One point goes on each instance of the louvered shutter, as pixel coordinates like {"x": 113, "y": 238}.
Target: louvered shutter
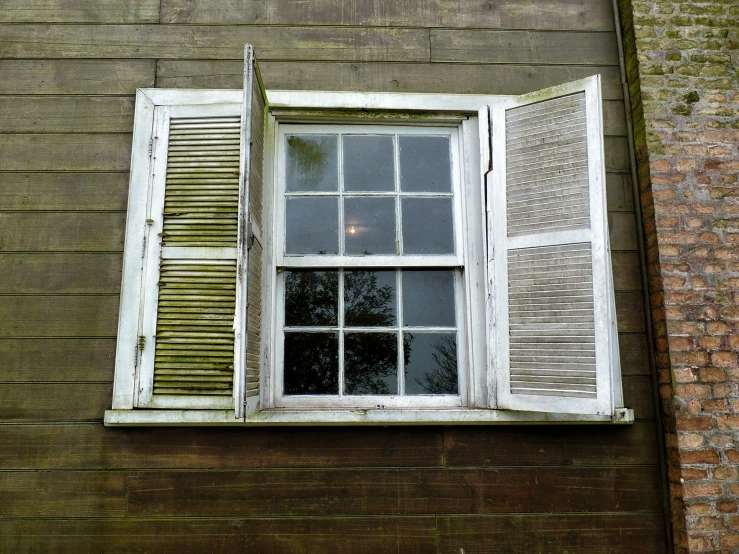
{"x": 553, "y": 322}
{"x": 199, "y": 282}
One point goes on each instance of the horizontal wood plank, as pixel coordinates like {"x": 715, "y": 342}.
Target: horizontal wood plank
{"x": 64, "y": 191}
{"x": 619, "y": 192}
{"x": 388, "y": 77}
{"x": 92, "y": 77}
{"x": 59, "y": 231}
{"x": 630, "y": 312}
{"x": 506, "y": 14}
{"x": 63, "y": 493}
{"x": 634, "y": 354}
{"x": 392, "y": 491}
{"x": 59, "y": 316}
{"x": 376, "y": 535}
{"x": 571, "y": 534}
{"x": 65, "y": 152}
{"x": 57, "y": 360}
{"x": 66, "y": 114}
{"x": 214, "y": 42}
{"x": 74, "y": 11}
{"x": 52, "y": 402}
{"x": 60, "y": 273}
{"x": 626, "y": 273}
{"x": 546, "y": 446}
{"x": 622, "y": 230}
{"x": 92, "y": 446}
{"x": 527, "y": 47}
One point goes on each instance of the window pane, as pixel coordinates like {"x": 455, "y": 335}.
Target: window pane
{"x": 369, "y": 163}
{"x": 428, "y": 298}
{"x": 370, "y": 225}
{"x": 312, "y": 163}
{"x": 370, "y": 363}
{"x": 312, "y": 225}
{"x": 311, "y": 298}
{"x": 427, "y": 226}
{"x": 425, "y": 164}
{"x": 369, "y": 298}
{"x": 311, "y": 363}
{"x": 430, "y": 363}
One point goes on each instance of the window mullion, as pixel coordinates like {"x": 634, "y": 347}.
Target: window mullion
{"x": 401, "y": 354}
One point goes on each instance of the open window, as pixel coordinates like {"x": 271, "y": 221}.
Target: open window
{"x": 330, "y": 258}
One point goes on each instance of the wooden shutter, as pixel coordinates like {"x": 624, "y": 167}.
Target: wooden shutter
{"x": 553, "y": 321}
{"x": 196, "y": 291}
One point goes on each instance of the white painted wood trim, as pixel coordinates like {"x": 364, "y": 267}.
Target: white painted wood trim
{"x": 282, "y": 418}
{"x": 128, "y": 319}
{"x": 380, "y": 100}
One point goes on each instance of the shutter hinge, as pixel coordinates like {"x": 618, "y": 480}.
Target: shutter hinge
{"x": 143, "y": 247}
{"x": 249, "y": 236}
{"x": 151, "y": 146}
{"x": 142, "y": 342}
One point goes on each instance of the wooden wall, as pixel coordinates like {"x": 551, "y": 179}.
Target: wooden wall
{"x": 68, "y": 72}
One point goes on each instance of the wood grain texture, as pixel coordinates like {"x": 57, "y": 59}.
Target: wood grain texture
{"x": 522, "y": 47}
{"x": 92, "y": 446}
{"x": 376, "y": 535}
{"x": 390, "y": 77}
{"x": 54, "y": 402}
{"x": 63, "y": 493}
{"x": 638, "y": 396}
{"x": 55, "y": 273}
{"x": 634, "y": 354}
{"x": 93, "y": 77}
{"x": 573, "y": 534}
{"x": 214, "y": 42}
{"x": 630, "y": 311}
{"x": 66, "y": 114}
{"x": 507, "y": 14}
{"x": 57, "y": 360}
{"x": 65, "y": 152}
{"x": 59, "y": 231}
{"x": 551, "y": 446}
{"x": 63, "y": 191}
{"x": 619, "y": 192}
{"x": 622, "y": 230}
{"x": 59, "y": 316}
{"x": 74, "y": 11}
{"x": 626, "y": 274}
{"x": 392, "y": 491}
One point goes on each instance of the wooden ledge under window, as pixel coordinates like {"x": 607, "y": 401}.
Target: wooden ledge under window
{"x": 186, "y": 418}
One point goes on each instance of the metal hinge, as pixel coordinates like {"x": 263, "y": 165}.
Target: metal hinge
{"x": 143, "y": 247}
{"x": 249, "y": 236}
{"x": 151, "y": 145}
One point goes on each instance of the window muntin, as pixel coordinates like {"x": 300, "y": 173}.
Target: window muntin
{"x": 351, "y": 328}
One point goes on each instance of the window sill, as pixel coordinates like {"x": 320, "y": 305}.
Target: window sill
{"x": 265, "y": 418}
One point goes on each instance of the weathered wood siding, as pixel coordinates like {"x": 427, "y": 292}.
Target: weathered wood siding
{"x": 68, "y": 71}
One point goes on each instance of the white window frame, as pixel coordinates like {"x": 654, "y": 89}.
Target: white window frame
{"x": 336, "y": 107}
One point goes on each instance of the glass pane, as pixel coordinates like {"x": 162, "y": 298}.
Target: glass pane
{"x": 311, "y": 298}
{"x": 312, "y": 225}
{"x": 430, "y": 363}
{"x": 369, "y": 298}
{"x": 425, "y": 164}
{"x": 311, "y": 363}
{"x": 427, "y": 226}
{"x": 370, "y": 363}
{"x": 428, "y": 298}
{"x": 369, "y": 163}
{"x": 370, "y": 225}
{"x": 312, "y": 163}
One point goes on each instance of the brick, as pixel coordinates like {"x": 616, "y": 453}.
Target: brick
{"x": 728, "y": 422}
{"x": 695, "y": 424}
{"x": 699, "y": 457}
{"x": 693, "y": 474}
{"x": 690, "y": 440}
{"x": 726, "y": 473}
{"x": 708, "y": 523}
{"x": 727, "y": 506}
{"x": 724, "y": 359}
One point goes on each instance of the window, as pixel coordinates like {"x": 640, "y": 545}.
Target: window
{"x": 369, "y": 263}
{"x": 346, "y": 258}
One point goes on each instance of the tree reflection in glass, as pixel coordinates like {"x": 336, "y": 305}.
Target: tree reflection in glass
{"x": 371, "y": 363}
{"x": 369, "y": 298}
{"x": 311, "y": 363}
{"x": 311, "y": 298}
{"x": 430, "y": 363}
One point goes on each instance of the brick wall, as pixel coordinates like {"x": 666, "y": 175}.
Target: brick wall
{"x": 682, "y": 65}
